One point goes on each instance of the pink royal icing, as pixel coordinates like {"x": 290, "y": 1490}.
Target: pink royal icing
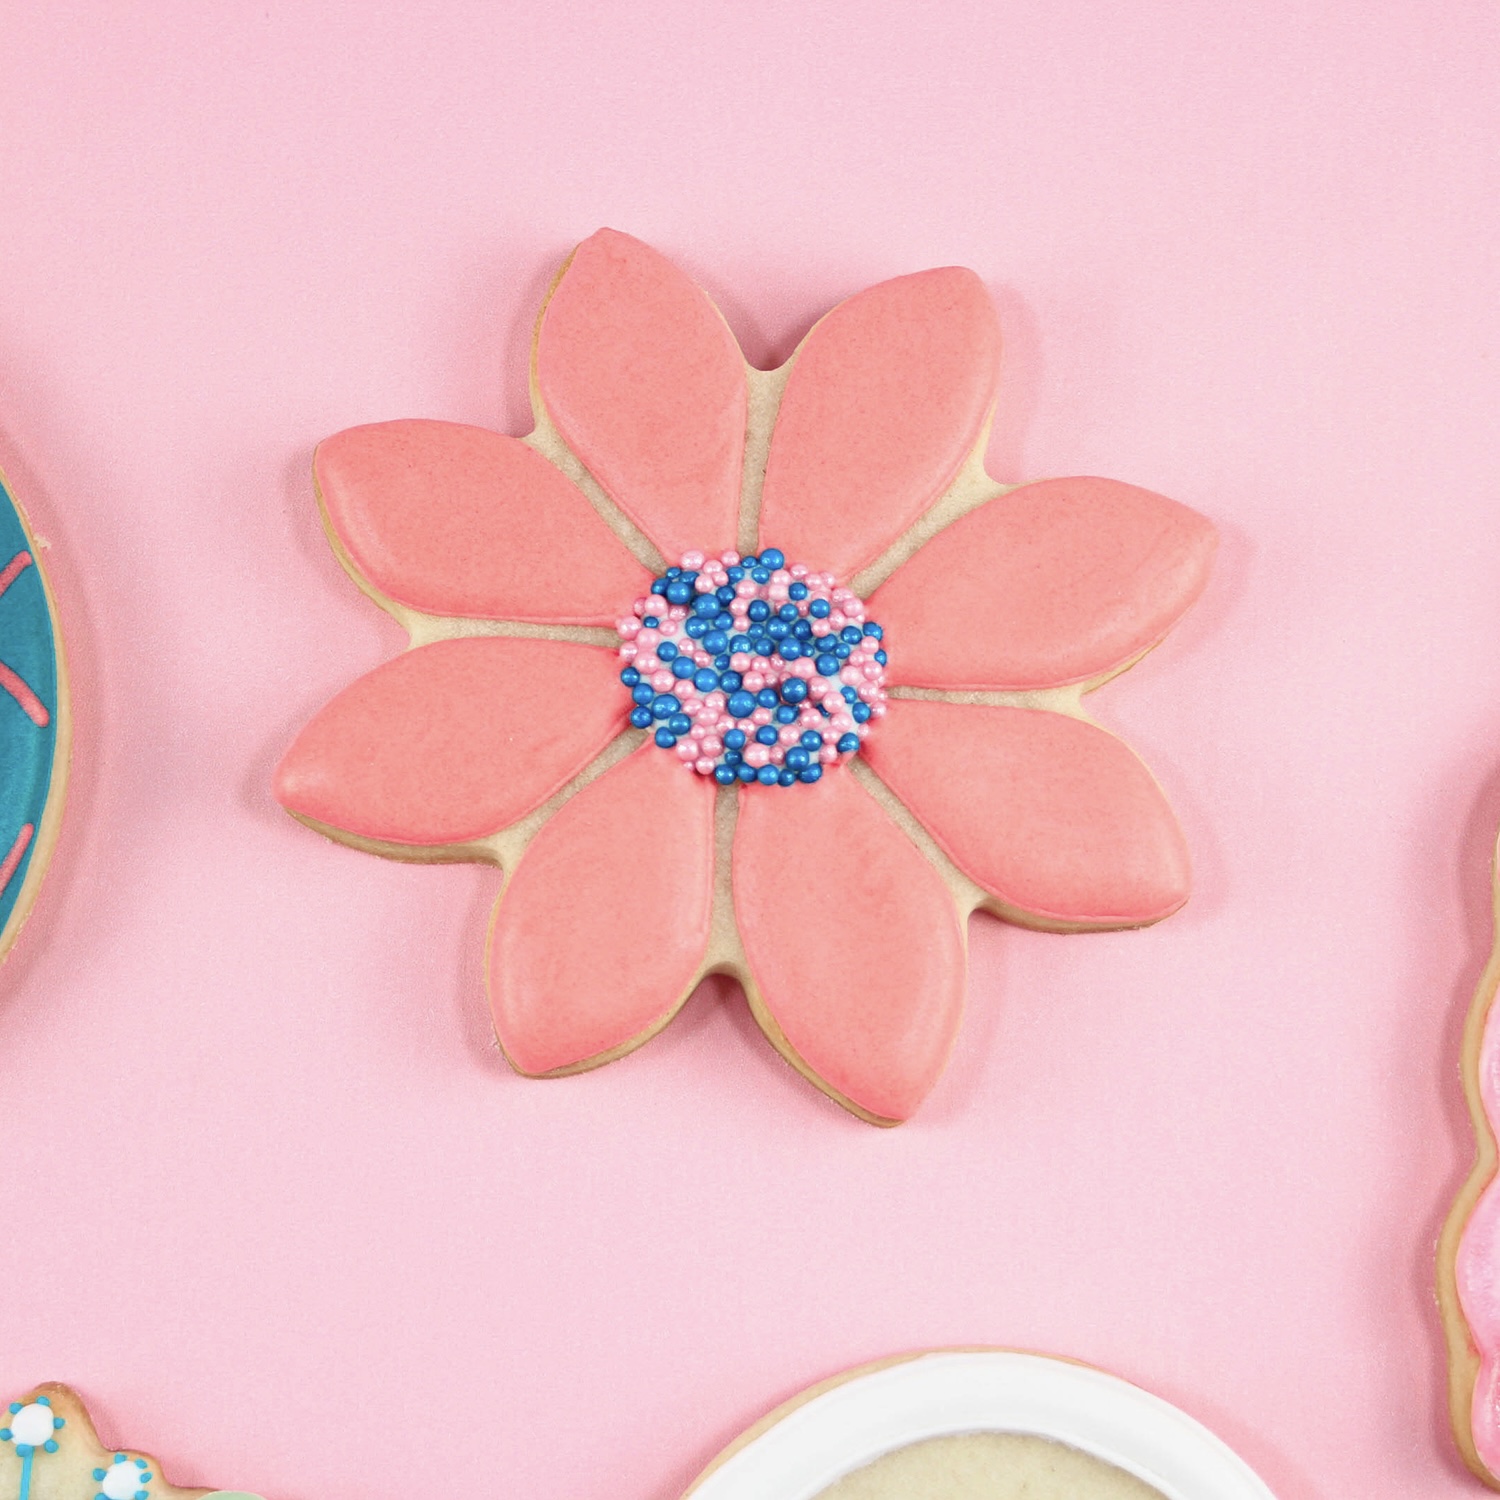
{"x": 1051, "y": 816}
{"x": 886, "y": 398}
{"x": 1056, "y": 582}
{"x": 845, "y": 926}
{"x": 645, "y": 383}
{"x": 455, "y": 520}
{"x": 1477, "y": 1263}
{"x": 574, "y": 972}
{"x": 452, "y": 741}
{"x": 868, "y": 992}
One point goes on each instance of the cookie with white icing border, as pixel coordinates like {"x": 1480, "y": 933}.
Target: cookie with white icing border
{"x": 50, "y": 1451}
{"x": 1468, "y": 1260}
{"x": 977, "y": 1424}
{"x": 35, "y": 724}
{"x": 749, "y": 672}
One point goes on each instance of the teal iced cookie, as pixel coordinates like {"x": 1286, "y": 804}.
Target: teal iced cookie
{"x": 34, "y": 724}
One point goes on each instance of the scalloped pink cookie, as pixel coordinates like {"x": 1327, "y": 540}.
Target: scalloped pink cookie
{"x": 1468, "y": 1262}
{"x": 50, "y": 1451}
{"x": 749, "y": 672}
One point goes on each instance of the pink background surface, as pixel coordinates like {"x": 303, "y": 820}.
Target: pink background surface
{"x": 275, "y": 1204}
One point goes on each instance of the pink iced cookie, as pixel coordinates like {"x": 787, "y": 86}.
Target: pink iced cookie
{"x": 1468, "y": 1276}
{"x": 765, "y": 653}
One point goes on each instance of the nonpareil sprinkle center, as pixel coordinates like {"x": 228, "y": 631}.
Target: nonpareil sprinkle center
{"x": 750, "y": 670}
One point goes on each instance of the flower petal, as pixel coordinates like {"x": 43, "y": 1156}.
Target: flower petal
{"x": 601, "y": 931}
{"x": 1055, "y": 582}
{"x": 646, "y": 384}
{"x": 1055, "y": 818}
{"x": 865, "y": 995}
{"x": 457, "y": 520}
{"x": 453, "y": 741}
{"x": 887, "y": 396}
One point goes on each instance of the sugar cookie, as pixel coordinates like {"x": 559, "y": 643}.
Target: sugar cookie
{"x": 50, "y": 1451}
{"x": 749, "y": 672}
{"x": 977, "y": 1424}
{"x": 1468, "y": 1263}
{"x": 35, "y": 727}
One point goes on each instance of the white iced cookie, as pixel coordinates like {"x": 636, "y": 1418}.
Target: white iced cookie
{"x": 977, "y": 1424}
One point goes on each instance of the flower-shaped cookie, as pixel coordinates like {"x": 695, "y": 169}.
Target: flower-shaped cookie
{"x": 845, "y": 716}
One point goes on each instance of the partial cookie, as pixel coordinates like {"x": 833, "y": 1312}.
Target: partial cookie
{"x": 977, "y": 1425}
{"x": 745, "y": 672}
{"x": 989, "y": 1466}
{"x": 1468, "y": 1264}
{"x": 35, "y": 728}
{"x": 50, "y": 1451}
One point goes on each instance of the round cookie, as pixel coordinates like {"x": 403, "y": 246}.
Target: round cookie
{"x": 749, "y": 672}
{"x": 35, "y": 726}
{"x": 49, "y": 1450}
{"x": 977, "y": 1424}
{"x": 1468, "y": 1261}
{"x": 989, "y": 1466}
